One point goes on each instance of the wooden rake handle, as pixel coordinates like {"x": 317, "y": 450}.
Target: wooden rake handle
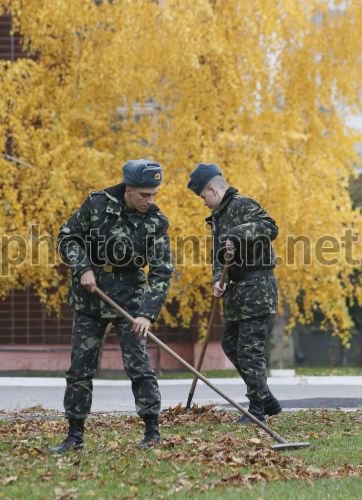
{"x": 163, "y": 346}
{"x": 214, "y": 306}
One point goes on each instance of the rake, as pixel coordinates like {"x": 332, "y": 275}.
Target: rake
{"x": 283, "y": 444}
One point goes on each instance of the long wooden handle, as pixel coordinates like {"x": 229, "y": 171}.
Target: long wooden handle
{"x": 163, "y": 346}
{"x": 214, "y": 306}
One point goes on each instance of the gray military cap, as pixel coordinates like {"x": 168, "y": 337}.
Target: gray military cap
{"x": 201, "y": 175}
{"x": 142, "y": 173}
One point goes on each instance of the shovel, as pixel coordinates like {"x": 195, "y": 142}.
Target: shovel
{"x": 283, "y": 443}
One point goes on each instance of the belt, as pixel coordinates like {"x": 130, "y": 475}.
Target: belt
{"x": 107, "y": 269}
{"x": 248, "y": 275}
{"x": 118, "y": 269}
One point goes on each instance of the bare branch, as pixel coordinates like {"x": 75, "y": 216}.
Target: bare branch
{"x": 17, "y": 160}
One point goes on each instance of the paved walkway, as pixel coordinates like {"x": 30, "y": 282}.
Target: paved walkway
{"x": 18, "y": 393}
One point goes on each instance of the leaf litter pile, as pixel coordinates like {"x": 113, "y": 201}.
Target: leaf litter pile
{"x": 201, "y": 449}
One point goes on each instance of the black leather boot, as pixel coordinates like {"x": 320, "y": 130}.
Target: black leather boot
{"x": 256, "y": 408}
{"x": 74, "y": 440}
{"x": 271, "y": 405}
{"x": 152, "y": 431}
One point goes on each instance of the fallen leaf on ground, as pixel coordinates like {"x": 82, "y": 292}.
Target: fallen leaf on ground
{"x": 8, "y": 480}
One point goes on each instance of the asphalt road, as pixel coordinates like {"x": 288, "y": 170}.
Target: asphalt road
{"x": 116, "y": 395}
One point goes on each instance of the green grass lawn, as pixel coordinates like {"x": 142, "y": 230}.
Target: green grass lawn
{"x": 203, "y": 454}
{"x": 325, "y": 371}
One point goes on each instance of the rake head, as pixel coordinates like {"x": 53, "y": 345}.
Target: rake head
{"x": 289, "y": 446}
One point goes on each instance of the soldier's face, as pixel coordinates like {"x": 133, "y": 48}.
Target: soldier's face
{"x": 140, "y": 199}
{"x": 210, "y": 197}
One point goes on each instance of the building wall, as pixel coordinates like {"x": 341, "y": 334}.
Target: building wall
{"x": 57, "y": 357}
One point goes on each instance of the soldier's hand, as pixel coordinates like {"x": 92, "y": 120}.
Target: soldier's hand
{"x": 230, "y": 248}
{"x": 218, "y": 290}
{"x": 88, "y": 280}
{"x": 141, "y": 326}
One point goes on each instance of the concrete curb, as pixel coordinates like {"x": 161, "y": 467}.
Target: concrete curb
{"x": 60, "y": 382}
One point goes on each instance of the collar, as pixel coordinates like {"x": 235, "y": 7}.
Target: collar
{"x": 117, "y": 203}
{"x": 229, "y": 193}
{"x": 226, "y": 198}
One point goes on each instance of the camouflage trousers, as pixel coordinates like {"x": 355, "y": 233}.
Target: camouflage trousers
{"x": 243, "y": 343}
{"x": 87, "y": 336}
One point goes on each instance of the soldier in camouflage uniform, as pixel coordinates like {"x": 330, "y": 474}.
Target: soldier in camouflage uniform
{"x": 114, "y": 234}
{"x": 243, "y": 229}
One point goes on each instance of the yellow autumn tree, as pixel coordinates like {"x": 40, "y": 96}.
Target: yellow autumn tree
{"x": 258, "y": 87}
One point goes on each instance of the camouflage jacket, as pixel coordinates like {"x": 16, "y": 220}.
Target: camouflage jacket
{"x": 251, "y": 229}
{"x": 105, "y": 236}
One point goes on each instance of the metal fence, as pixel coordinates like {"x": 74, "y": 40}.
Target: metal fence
{"x": 24, "y": 320}
{"x": 10, "y": 48}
